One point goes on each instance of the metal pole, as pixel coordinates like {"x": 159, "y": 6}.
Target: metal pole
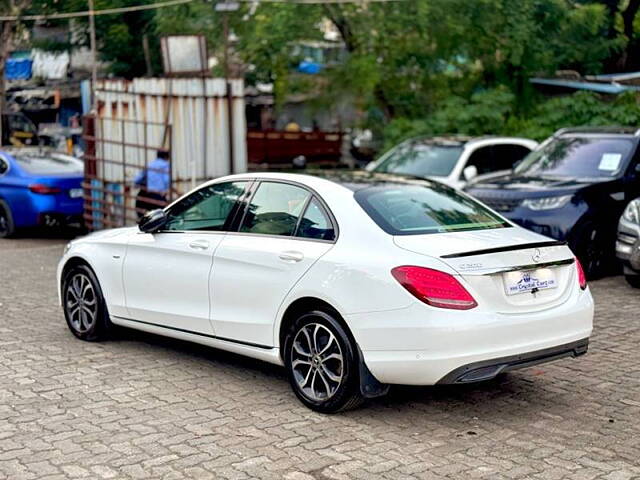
{"x": 229, "y": 93}
{"x": 94, "y": 59}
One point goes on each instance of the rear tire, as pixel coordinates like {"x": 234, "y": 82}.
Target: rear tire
{"x": 322, "y": 363}
{"x": 84, "y": 306}
{"x": 633, "y": 280}
{"x": 7, "y": 227}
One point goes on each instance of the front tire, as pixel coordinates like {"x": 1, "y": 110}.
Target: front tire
{"x": 593, "y": 250}
{"x": 84, "y": 306}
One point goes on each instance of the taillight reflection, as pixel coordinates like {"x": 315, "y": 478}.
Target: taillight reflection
{"x": 582, "y": 278}
{"x": 43, "y": 189}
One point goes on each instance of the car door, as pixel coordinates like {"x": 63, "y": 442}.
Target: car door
{"x": 284, "y": 230}
{"x": 166, "y": 274}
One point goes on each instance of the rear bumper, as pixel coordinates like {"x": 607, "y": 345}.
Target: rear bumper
{"x": 488, "y": 369}
{"x": 420, "y": 345}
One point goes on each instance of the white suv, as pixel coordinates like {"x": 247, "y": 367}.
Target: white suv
{"x": 453, "y": 160}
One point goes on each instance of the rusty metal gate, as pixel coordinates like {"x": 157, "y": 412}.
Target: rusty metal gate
{"x": 116, "y": 151}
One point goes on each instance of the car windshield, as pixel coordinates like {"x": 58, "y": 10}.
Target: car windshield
{"x": 421, "y": 159}
{"x": 416, "y": 209}
{"x": 577, "y": 157}
{"x": 40, "y": 165}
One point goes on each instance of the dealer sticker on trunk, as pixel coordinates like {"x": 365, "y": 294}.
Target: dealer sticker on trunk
{"x": 529, "y": 280}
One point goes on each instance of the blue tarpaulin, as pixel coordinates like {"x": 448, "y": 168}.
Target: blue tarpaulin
{"x": 310, "y": 68}
{"x": 18, "y": 69}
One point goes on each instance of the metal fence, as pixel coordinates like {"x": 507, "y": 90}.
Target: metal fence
{"x": 200, "y": 121}
{"x": 116, "y": 151}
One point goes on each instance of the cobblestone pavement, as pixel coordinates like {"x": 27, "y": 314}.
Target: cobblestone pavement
{"x": 147, "y": 407}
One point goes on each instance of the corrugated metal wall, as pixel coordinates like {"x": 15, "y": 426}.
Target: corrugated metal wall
{"x": 195, "y": 109}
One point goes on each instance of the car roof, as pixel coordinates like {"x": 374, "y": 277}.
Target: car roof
{"x": 353, "y": 180}
{"x": 629, "y": 132}
{"x": 461, "y": 140}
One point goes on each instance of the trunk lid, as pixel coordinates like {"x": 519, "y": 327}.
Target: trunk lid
{"x": 496, "y": 264}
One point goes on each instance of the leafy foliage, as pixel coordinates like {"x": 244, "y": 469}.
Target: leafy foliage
{"x": 493, "y": 113}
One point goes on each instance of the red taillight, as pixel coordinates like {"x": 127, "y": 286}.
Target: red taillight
{"x": 582, "y": 279}
{"x": 433, "y": 287}
{"x": 43, "y": 189}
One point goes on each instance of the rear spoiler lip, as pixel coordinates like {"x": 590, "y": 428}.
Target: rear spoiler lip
{"x": 521, "y": 246}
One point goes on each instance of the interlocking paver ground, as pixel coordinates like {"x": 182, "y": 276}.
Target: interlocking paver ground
{"x": 144, "y": 406}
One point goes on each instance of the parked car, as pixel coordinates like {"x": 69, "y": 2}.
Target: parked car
{"x": 628, "y": 244}
{"x": 38, "y": 189}
{"x": 573, "y": 188}
{"x": 453, "y": 160}
{"x": 352, "y": 284}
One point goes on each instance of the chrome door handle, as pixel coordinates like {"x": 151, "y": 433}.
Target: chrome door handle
{"x": 199, "y": 245}
{"x": 291, "y": 256}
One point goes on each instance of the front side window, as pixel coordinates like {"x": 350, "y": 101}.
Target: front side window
{"x": 413, "y": 210}
{"x": 315, "y": 223}
{"x": 275, "y": 209}
{"x": 507, "y": 155}
{"x": 578, "y": 157}
{"x": 421, "y": 159}
{"x": 482, "y": 159}
{"x": 4, "y": 166}
{"x": 497, "y": 157}
{"x": 211, "y": 208}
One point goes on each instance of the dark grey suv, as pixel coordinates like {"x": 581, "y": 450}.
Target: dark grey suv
{"x": 628, "y": 243}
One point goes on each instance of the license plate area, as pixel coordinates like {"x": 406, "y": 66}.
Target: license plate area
{"x": 524, "y": 281}
{"x": 76, "y": 192}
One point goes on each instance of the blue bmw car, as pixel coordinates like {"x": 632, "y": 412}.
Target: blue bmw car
{"x": 573, "y": 188}
{"x": 39, "y": 189}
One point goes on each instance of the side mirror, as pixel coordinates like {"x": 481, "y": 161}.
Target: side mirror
{"x": 153, "y": 221}
{"x": 470, "y": 172}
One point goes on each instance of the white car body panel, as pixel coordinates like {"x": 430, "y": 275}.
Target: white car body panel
{"x": 266, "y": 268}
{"x": 233, "y": 294}
{"x": 166, "y": 278}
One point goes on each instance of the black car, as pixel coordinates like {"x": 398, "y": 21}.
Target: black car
{"x": 573, "y": 188}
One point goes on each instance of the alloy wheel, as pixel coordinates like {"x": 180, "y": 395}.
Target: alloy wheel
{"x": 317, "y": 362}
{"x": 81, "y": 303}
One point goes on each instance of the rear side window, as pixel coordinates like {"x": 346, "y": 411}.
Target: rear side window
{"x": 275, "y": 209}
{"x": 315, "y": 223}
{"x": 4, "y": 166}
{"x": 414, "y": 210}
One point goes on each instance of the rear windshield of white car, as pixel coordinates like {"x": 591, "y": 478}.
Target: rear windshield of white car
{"x": 415, "y": 210}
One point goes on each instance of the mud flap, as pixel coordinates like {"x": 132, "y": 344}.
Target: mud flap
{"x": 370, "y": 387}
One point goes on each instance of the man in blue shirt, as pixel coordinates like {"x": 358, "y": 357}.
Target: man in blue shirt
{"x": 154, "y": 183}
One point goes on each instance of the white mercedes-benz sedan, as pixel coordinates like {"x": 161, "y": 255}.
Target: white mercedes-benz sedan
{"x": 352, "y": 282}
